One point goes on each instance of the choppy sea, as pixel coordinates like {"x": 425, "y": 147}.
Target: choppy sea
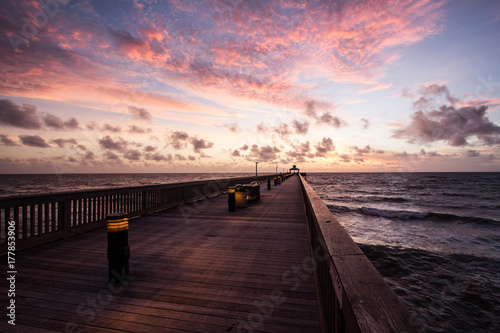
{"x": 434, "y": 237}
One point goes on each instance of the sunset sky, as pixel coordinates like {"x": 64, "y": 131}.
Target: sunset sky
{"x": 217, "y": 85}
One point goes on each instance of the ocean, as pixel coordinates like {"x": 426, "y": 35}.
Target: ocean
{"x": 434, "y": 237}
{"x": 28, "y": 184}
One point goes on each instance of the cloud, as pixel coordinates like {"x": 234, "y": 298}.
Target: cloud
{"x": 23, "y": 116}
{"x": 233, "y": 127}
{"x": 244, "y": 147}
{"x": 191, "y": 157}
{"x": 261, "y": 128}
{"x": 178, "y": 139}
{"x": 34, "y": 141}
{"x": 62, "y": 142}
{"x": 426, "y": 100}
{"x": 311, "y": 109}
{"x": 263, "y": 154}
{"x": 179, "y": 157}
{"x": 472, "y": 153}
{"x": 133, "y": 129}
{"x": 452, "y": 125}
{"x": 54, "y": 122}
{"x": 199, "y": 144}
{"x": 89, "y": 156}
{"x": 283, "y": 130}
{"x": 150, "y": 149}
{"x": 345, "y": 158}
{"x": 111, "y": 156}
{"x": 139, "y": 113}
{"x": 6, "y": 141}
{"x": 132, "y": 155}
{"x": 300, "y": 127}
{"x": 93, "y": 126}
{"x": 365, "y": 123}
{"x": 324, "y": 147}
{"x": 300, "y": 152}
{"x": 119, "y": 145}
{"x": 158, "y": 157}
{"x": 236, "y": 153}
{"x": 366, "y": 150}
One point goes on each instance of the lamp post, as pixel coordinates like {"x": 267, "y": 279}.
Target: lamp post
{"x": 256, "y": 168}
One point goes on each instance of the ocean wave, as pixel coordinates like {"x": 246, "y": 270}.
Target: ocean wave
{"x": 400, "y": 214}
{"x": 408, "y": 215}
{"x": 436, "y": 217}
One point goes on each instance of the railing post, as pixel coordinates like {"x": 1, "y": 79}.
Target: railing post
{"x": 66, "y": 217}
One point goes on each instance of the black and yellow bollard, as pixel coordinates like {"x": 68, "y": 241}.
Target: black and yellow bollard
{"x": 231, "y": 199}
{"x": 269, "y": 183}
{"x": 118, "y": 249}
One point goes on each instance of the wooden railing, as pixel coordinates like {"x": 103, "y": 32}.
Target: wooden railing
{"x": 40, "y": 219}
{"x": 353, "y": 296}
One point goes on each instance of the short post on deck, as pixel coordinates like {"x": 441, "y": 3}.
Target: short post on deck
{"x": 118, "y": 248}
{"x": 269, "y": 183}
{"x": 231, "y": 199}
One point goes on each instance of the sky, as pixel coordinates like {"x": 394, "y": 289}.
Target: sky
{"x": 98, "y": 86}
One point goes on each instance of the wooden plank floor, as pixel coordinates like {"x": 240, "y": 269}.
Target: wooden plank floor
{"x": 195, "y": 268}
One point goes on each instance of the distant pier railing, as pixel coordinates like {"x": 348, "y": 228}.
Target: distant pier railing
{"x": 40, "y": 219}
{"x": 352, "y": 295}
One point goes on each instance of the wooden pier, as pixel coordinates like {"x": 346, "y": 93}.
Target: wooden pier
{"x": 283, "y": 264}
{"x": 194, "y": 268}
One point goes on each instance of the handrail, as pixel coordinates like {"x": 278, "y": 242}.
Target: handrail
{"x": 44, "y": 218}
{"x": 353, "y": 296}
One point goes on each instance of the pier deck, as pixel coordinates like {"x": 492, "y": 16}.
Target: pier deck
{"x": 194, "y": 268}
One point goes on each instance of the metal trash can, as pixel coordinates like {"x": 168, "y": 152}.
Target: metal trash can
{"x": 240, "y": 196}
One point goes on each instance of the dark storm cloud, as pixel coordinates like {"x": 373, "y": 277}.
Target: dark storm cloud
{"x": 139, "y": 113}
{"x": 34, "y": 141}
{"x": 23, "y": 116}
